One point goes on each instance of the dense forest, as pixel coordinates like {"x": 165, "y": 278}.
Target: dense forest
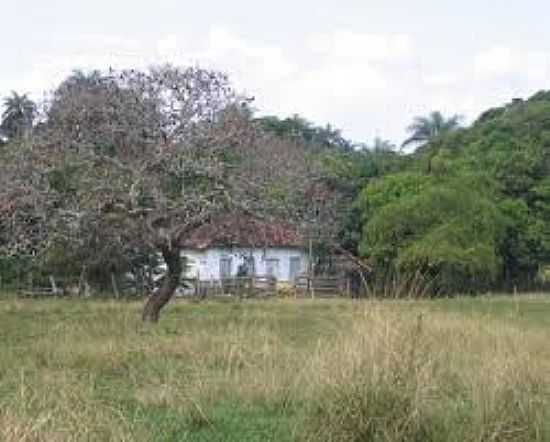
{"x": 469, "y": 208}
{"x": 467, "y": 211}
{"x": 99, "y": 179}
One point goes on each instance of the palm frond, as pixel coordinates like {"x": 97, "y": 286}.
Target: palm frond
{"x": 426, "y": 129}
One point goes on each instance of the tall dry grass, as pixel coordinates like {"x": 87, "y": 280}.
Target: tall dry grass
{"x": 416, "y": 376}
{"x": 333, "y": 371}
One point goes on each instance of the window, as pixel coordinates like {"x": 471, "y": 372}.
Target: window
{"x": 295, "y": 267}
{"x": 225, "y": 267}
{"x": 272, "y": 267}
{"x": 248, "y": 267}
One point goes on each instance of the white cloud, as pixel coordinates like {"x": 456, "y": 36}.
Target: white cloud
{"x": 367, "y": 84}
{"x": 498, "y": 60}
{"x": 440, "y": 80}
{"x": 325, "y": 86}
{"x": 502, "y": 61}
{"x": 243, "y": 56}
{"x": 86, "y": 52}
{"x": 372, "y": 47}
{"x": 346, "y": 80}
{"x": 170, "y": 48}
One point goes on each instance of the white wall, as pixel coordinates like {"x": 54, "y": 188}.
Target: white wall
{"x": 206, "y": 264}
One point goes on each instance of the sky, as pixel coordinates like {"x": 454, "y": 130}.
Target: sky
{"x": 367, "y": 67}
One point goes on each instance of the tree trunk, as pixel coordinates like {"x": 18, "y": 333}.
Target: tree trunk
{"x": 169, "y": 285}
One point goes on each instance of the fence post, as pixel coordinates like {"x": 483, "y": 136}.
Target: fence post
{"x": 82, "y": 282}
{"x": 115, "y": 287}
{"x": 53, "y": 284}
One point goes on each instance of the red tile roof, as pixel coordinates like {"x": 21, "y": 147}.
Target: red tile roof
{"x": 242, "y": 231}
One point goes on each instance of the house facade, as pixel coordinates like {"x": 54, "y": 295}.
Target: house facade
{"x": 232, "y": 245}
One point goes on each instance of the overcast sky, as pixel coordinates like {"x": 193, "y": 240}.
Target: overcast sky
{"x": 368, "y": 67}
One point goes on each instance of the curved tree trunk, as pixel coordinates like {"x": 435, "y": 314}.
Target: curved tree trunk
{"x": 169, "y": 285}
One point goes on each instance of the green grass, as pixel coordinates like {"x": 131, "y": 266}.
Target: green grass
{"x": 526, "y": 310}
{"x": 281, "y": 370}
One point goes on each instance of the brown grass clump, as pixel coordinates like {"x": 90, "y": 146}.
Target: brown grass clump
{"x": 16, "y": 429}
{"x": 415, "y": 377}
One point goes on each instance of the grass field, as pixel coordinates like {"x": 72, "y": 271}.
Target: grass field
{"x": 281, "y": 370}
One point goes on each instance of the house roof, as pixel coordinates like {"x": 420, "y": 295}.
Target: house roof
{"x": 242, "y": 231}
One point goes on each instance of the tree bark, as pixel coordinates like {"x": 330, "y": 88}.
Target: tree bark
{"x": 169, "y": 285}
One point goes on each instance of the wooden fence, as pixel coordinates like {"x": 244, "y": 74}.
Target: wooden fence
{"x": 322, "y": 286}
{"x": 39, "y": 292}
{"x": 243, "y": 286}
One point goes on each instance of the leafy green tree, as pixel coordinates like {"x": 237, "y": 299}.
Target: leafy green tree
{"x": 426, "y": 129}
{"x": 18, "y": 116}
{"x": 299, "y": 129}
{"x": 447, "y": 231}
{"x": 478, "y": 217}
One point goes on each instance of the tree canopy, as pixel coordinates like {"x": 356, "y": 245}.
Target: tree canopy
{"x": 139, "y": 158}
{"x": 125, "y": 163}
{"x": 18, "y": 116}
{"x": 426, "y": 129}
{"x": 478, "y": 217}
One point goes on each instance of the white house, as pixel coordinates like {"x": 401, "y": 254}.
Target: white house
{"x": 236, "y": 245}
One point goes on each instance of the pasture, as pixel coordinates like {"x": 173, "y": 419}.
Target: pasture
{"x": 276, "y": 370}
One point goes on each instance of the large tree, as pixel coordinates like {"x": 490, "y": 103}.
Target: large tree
{"x": 443, "y": 231}
{"x": 146, "y": 157}
{"x": 18, "y": 116}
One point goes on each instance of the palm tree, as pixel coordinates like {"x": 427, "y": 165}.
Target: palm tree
{"x": 426, "y": 129}
{"x": 18, "y": 116}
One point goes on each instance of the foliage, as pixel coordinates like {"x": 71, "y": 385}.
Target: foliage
{"x": 123, "y": 164}
{"x": 300, "y": 129}
{"x": 426, "y": 129}
{"x": 128, "y": 162}
{"x": 345, "y": 173}
{"x": 444, "y": 230}
{"x": 18, "y": 116}
{"x": 477, "y": 216}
